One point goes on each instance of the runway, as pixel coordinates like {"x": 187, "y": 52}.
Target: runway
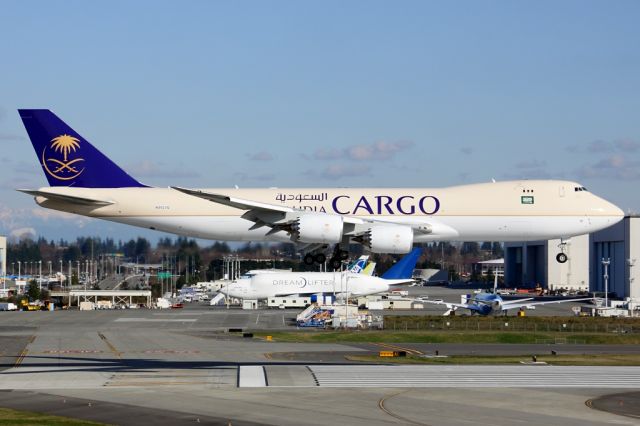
{"x": 152, "y": 362}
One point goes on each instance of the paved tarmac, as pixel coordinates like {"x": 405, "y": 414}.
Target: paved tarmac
{"x": 183, "y": 365}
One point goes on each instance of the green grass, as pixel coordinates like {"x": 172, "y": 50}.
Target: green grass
{"x": 388, "y": 336}
{"x": 592, "y": 360}
{"x": 14, "y": 417}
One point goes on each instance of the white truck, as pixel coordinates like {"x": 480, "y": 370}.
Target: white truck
{"x": 8, "y": 306}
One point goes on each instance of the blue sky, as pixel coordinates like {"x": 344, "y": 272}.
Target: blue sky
{"x": 358, "y": 93}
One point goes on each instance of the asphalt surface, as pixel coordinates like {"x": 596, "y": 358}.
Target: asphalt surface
{"x": 623, "y": 404}
{"x": 131, "y": 365}
{"x": 105, "y": 412}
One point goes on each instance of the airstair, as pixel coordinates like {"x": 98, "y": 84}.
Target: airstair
{"x": 217, "y": 300}
{"x": 314, "y": 316}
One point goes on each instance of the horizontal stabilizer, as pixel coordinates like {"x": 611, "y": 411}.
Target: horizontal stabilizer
{"x": 67, "y": 198}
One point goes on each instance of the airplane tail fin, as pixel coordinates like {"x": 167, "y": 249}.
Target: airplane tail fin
{"x": 368, "y": 270}
{"x": 357, "y": 266}
{"x": 403, "y": 269}
{"x": 67, "y": 158}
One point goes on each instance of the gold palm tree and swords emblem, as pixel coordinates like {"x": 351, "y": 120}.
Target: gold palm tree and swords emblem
{"x": 65, "y": 169}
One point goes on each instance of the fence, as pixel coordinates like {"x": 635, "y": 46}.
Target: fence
{"x": 399, "y": 323}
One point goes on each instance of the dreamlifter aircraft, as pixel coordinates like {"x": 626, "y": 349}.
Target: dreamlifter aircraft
{"x": 386, "y": 220}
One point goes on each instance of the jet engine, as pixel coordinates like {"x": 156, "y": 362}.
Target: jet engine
{"x": 317, "y": 229}
{"x": 388, "y": 239}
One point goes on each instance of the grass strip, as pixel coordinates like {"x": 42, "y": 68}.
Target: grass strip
{"x": 585, "y": 360}
{"x": 15, "y": 417}
{"x": 385, "y": 336}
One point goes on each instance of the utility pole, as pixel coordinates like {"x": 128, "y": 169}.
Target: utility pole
{"x": 606, "y": 263}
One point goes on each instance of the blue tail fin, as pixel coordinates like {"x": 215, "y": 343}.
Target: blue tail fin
{"x": 403, "y": 269}
{"x": 67, "y": 158}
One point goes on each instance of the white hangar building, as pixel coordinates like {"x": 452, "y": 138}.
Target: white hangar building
{"x": 534, "y": 262}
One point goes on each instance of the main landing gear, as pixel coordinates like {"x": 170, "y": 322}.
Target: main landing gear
{"x": 335, "y": 262}
{"x": 562, "y": 257}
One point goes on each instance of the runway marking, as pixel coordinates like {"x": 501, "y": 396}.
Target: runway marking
{"x": 21, "y": 358}
{"x": 392, "y": 414}
{"x": 145, "y": 383}
{"x": 154, "y": 320}
{"x": 473, "y": 376}
{"x": 72, "y": 351}
{"x": 257, "y": 318}
{"x": 400, "y": 348}
{"x": 252, "y": 376}
{"x": 111, "y": 347}
{"x": 24, "y": 352}
{"x": 169, "y": 351}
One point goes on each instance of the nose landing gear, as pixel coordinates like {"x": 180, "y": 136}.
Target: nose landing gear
{"x": 562, "y": 257}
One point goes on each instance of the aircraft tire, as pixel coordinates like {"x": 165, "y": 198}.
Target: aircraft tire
{"x": 344, "y": 254}
{"x": 320, "y": 258}
{"x": 308, "y": 259}
{"x": 561, "y": 258}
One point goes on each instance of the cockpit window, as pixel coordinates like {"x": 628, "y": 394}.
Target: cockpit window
{"x": 579, "y": 188}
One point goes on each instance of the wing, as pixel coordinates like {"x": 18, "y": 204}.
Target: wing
{"x": 67, "y": 198}
{"x": 450, "y": 305}
{"x": 521, "y": 303}
{"x": 279, "y": 218}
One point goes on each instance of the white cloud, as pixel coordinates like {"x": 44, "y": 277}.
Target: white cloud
{"x": 531, "y": 164}
{"x": 627, "y": 145}
{"x": 260, "y": 156}
{"x": 605, "y": 147}
{"x": 148, "y": 168}
{"x": 363, "y": 152}
{"x": 260, "y": 177}
{"x": 21, "y": 233}
{"x": 339, "y": 171}
{"x": 617, "y": 166}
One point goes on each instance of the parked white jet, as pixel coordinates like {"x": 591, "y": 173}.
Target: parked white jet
{"x": 386, "y": 220}
{"x": 341, "y": 284}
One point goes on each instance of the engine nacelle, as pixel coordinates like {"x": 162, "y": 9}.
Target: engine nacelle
{"x": 389, "y": 239}
{"x": 317, "y": 228}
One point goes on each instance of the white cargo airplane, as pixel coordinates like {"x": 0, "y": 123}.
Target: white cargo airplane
{"x": 341, "y": 284}
{"x": 386, "y": 220}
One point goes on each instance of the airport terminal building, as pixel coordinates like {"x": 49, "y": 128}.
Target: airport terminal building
{"x": 533, "y": 262}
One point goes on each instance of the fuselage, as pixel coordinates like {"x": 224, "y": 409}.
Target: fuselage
{"x": 501, "y": 211}
{"x": 263, "y": 286}
{"x": 486, "y": 304}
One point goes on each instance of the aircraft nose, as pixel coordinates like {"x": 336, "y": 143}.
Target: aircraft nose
{"x": 613, "y": 210}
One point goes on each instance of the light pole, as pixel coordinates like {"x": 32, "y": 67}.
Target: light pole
{"x": 4, "y": 271}
{"x": 19, "y": 270}
{"x": 61, "y": 281}
{"x": 606, "y": 263}
{"x": 40, "y": 275}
